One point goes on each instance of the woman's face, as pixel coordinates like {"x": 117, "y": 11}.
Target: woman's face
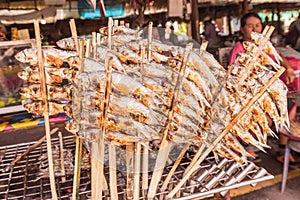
{"x": 253, "y": 24}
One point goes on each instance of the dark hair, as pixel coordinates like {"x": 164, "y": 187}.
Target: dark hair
{"x": 246, "y": 16}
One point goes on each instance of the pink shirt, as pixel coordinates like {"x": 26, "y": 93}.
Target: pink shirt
{"x": 238, "y": 48}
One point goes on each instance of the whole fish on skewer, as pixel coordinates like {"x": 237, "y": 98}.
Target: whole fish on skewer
{"x": 55, "y": 93}
{"x": 52, "y": 57}
{"x": 264, "y": 59}
{"x": 268, "y": 48}
{"x": 37, "y": 107}
{"x": 53, "y": 76}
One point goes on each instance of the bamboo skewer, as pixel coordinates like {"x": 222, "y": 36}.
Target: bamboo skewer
{"x": 174, "y": 167}
{"x": 225, "y": 131}
{"x": 145, "y": 170}
{"x": 165, "y": 145}
{"x": 264, "y": 32}
{"x": 195, "y": 158}
{"x": 88, "y": 48}
{"x": 40, "y": 141}
{"x": 203, "y": 47}
{"x": 129, "y": 170}
{"x": 110, "y": 30}
{"x": 100, "y": 143}
{"x": 94, "y": 173}
{"x": 150, "y": 27}
{"x": 94, "y": 45}
{"x": 78, "y": 140}
{"x": 77, "y": 169}
{"x": 62, "y": 159}
{"x": 74, "y": 33}
{"x": 105, "y": 187}
{"x": 99, "y": 183}
{"x": 46, "y": 108}
{"x": 113, "y": 172}
{"x": 145, "y": 154}
{"x": 137, "y": 167}
{"x": 98, "y": 38}
{"x": 112, "y": 150}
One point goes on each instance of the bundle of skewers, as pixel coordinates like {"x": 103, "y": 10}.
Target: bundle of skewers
{"x": 140, "y": 95}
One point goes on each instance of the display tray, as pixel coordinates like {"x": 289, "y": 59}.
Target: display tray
{"x": 23, "y": 181}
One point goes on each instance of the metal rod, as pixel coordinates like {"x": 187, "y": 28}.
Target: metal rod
{"x": 217, "y": 190}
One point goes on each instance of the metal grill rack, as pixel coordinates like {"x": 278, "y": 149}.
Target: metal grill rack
{"x": 21, "y": 181}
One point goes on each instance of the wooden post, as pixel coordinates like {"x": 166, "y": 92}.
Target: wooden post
{"x": 195, "y": 21}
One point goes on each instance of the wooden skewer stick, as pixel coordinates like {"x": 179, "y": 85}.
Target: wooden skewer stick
{"x": 203, "y": 47}
{"x": 105, "y": 187}
{"x": 224, "y": 132}
{"x": 74, "y": 33}
{"x": 195, "y": 158}
{"x": 129, "y": 170}
{"x": 78, "y": 140}
{"x": 174, "y": 167}
{"x": 110, "y": 29}
{"x": 165, "y": 145}
{"x": 40, "y": 141}
{"x": 265, "y": 29}
{"x": 137, "y": 167}
{"x": 105, "y": 108}
{"x": 88, "y": 48}
{"x": 94, "y": 45}
{"x": 98, "y": 38}
{"x": 145, "y": 155}
{"x": 145, "y": 170}
{"x": 94, "y": 172}
{"x": 77, "y": 169}
{"x": 62, "y": 159}
{"x": 116, "y": 23}
{"x": 150, "y": 27}
{"x": 100, "y": 142}
{"x": 113, "y": 172}
{"x": 46, "y": 108}
{"x": 269, "y": 31}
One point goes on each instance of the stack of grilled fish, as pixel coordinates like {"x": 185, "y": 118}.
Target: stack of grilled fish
{"x": 143, "y": 83}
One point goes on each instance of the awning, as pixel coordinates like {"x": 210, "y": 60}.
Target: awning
{"x": 27, "y": 16}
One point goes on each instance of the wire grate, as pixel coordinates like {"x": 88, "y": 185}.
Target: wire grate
{"x": 22, "y": 181}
